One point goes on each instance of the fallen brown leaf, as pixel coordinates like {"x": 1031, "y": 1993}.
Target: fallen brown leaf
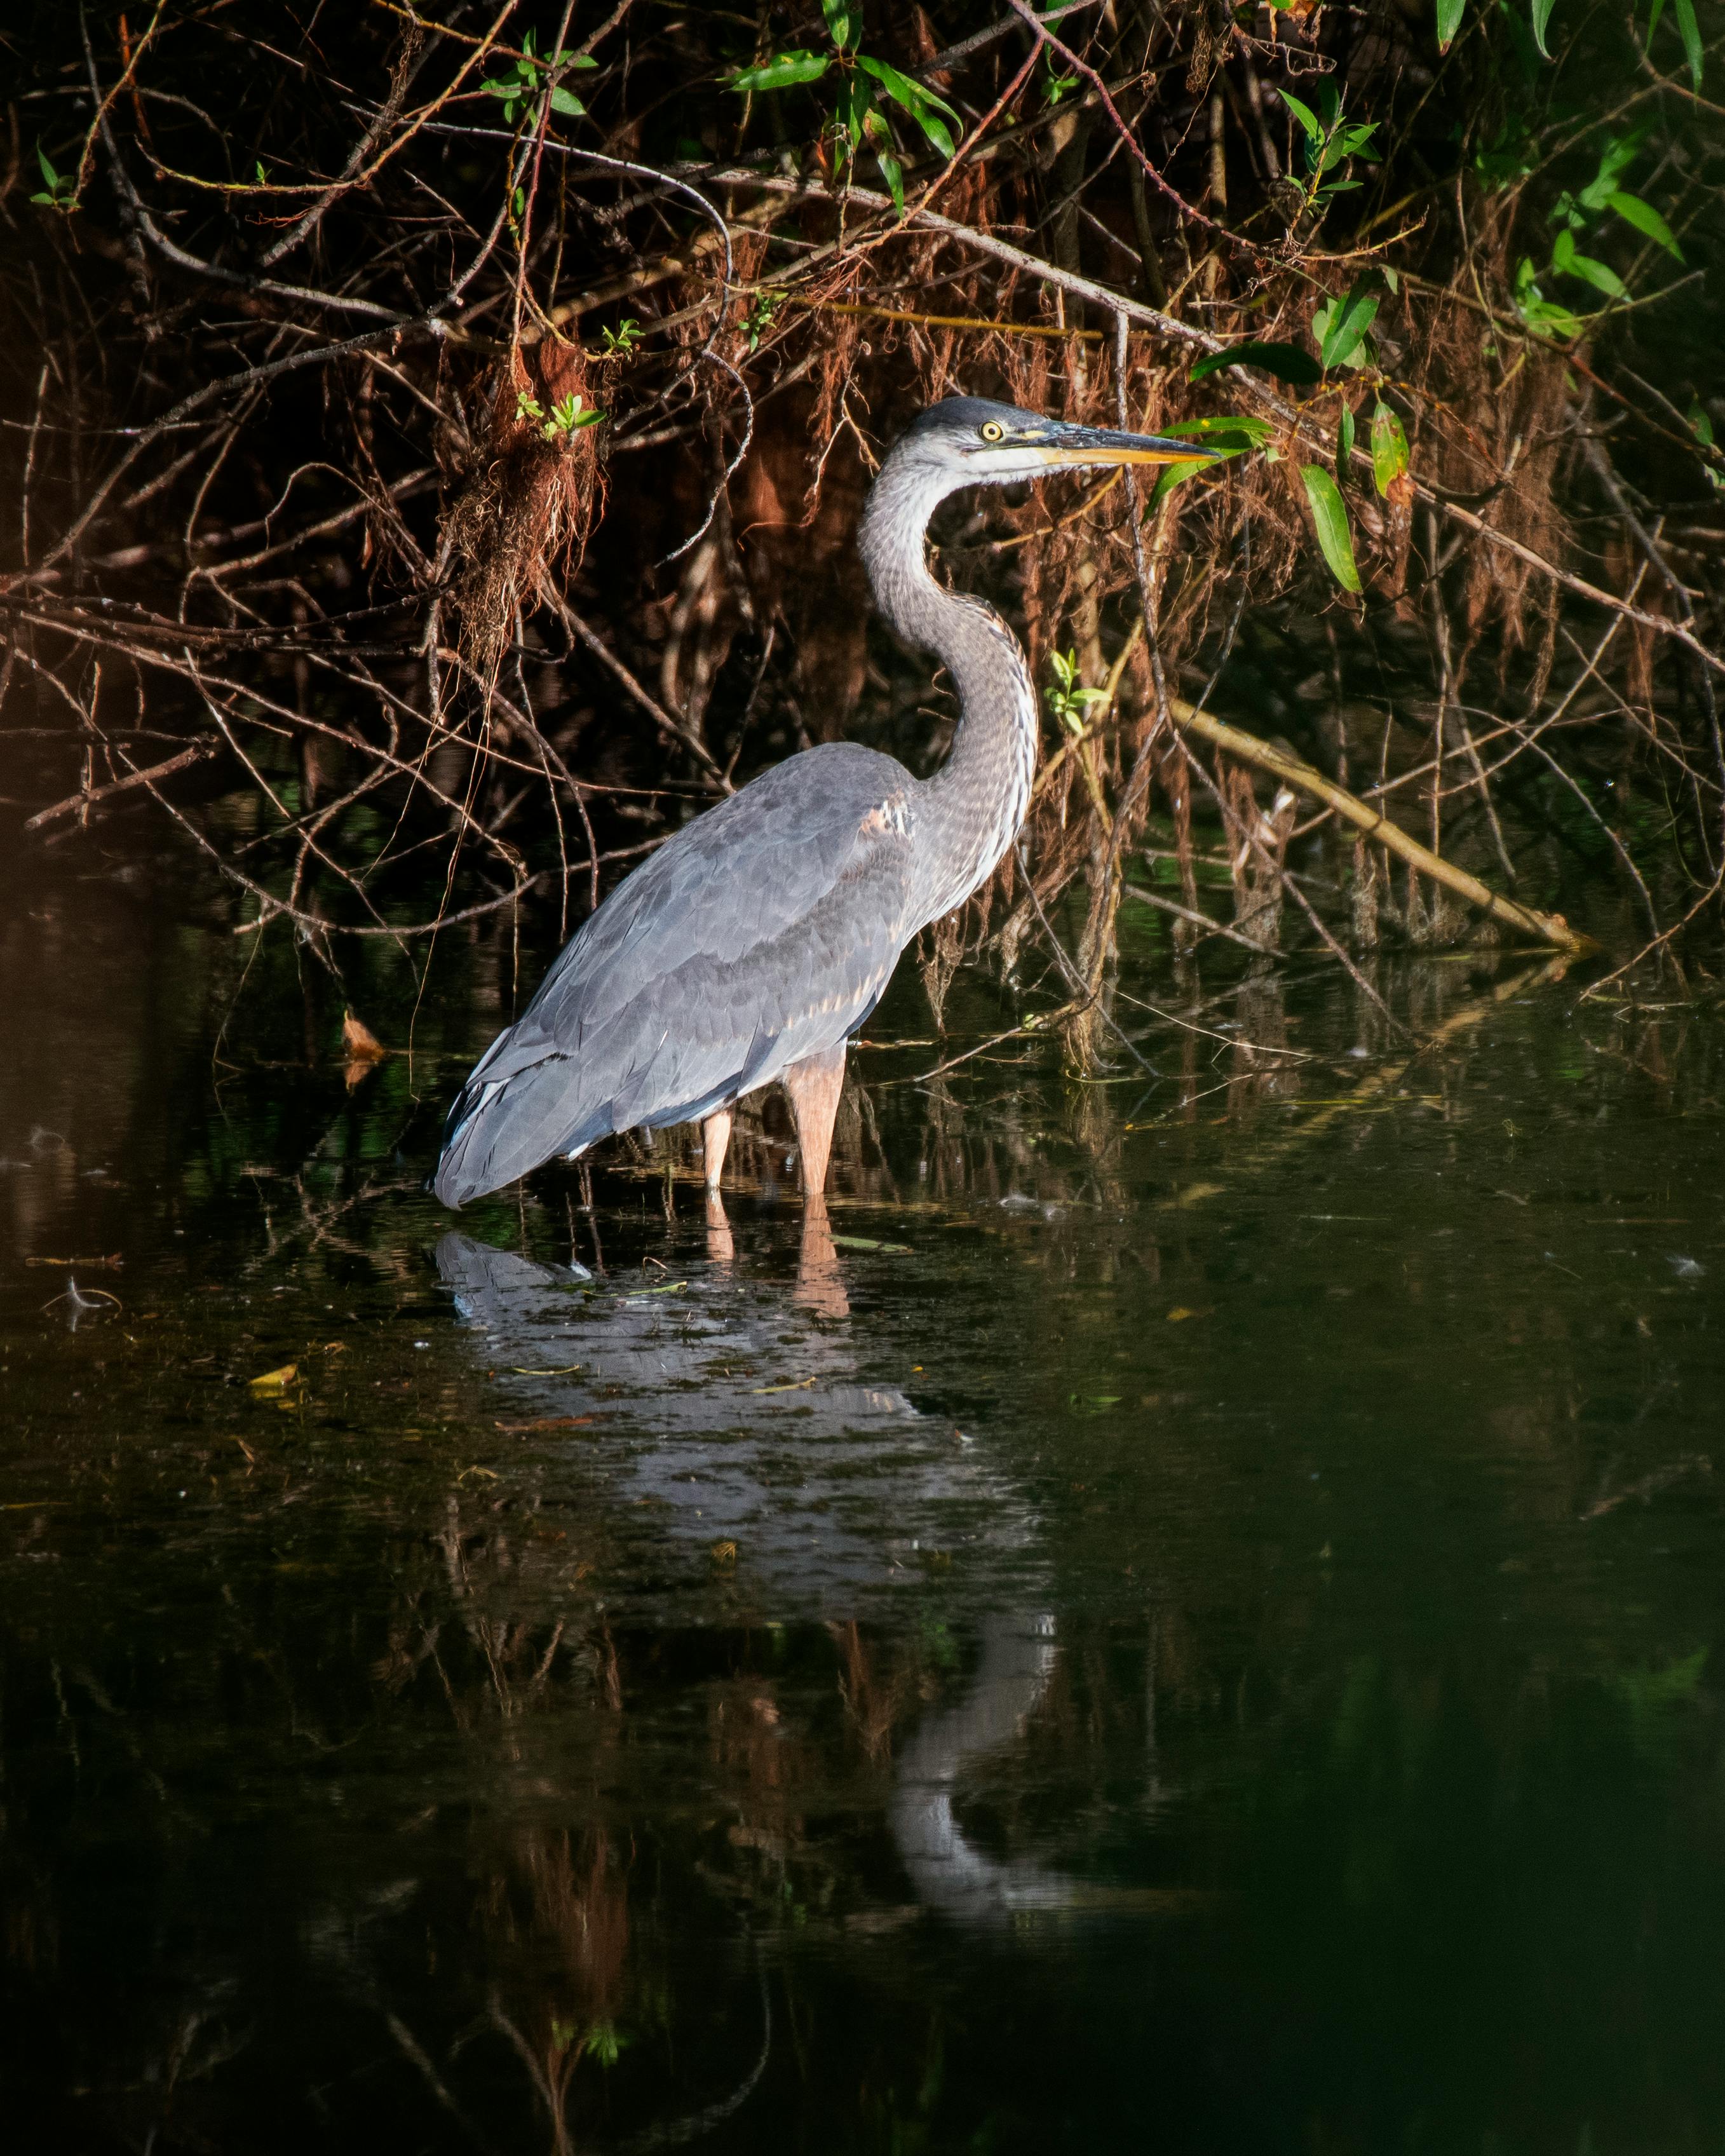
{"x": 362, "y": 1043}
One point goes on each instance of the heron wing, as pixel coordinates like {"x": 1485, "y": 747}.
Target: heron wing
{"x": 764, "y": 931}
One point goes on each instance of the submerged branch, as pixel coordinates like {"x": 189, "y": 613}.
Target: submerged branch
{"x": 1547, "y": 927}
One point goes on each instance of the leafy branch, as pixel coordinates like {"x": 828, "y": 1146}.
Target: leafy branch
{"x": 565, "y": 419}
{"x": 58, "y": 191}
{"x": 526, "y": 84}
{"x": 1581, "y": 212}
{"x": 858, "y": 116}
{"x": 1068, "y": 699}
{"x": 1330, "y": 139}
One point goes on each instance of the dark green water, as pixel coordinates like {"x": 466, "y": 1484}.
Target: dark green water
{"x": 1199, "y": 1628}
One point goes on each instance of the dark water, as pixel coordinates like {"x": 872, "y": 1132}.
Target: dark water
{"x": 1196, "y": 1625}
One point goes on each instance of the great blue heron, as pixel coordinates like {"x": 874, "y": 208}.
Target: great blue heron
{"x": 751, "y": 946}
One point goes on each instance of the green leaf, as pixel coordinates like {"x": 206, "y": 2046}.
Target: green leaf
{"x": 1644, "y": 218}
{"x": 1703, "y": 425}
{"x": 1540, "y": 15}
{"x": 1345, "y": 325}
{"x": 1448, "y": 22}
{"x": 1304, "y": 114}
{"x": 1600, "y": 275}
{"x": 856, "y": 106}
{"x": 1250, "y": 432}
{"x": 1355, "y": 142}
{"x": 1174, "y": 475}
{"x": 893, "y": 173}
{"x": 1331, "y": 519}
{"x": 1349, "y": 142}
{"x": 1344, "y": 438}
{"x": 780, "y": 74}
{"x": 1619, "y": 153}
{"x": 1569, "y": 263}
{"x": 1389, "y": 447}
{"x": 1286, "y": 360}
{"x": 567, "y": 102}
{"x": 842, "y": 25}
{"x": 922, "y": 105}
{"x": 1543, "y": 316}
{"x": 49, "y": 172}
{"x": 1690, "y": 32}
{"x": 1522, "y": 38}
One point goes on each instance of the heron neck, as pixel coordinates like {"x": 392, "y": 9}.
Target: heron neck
{"x": 974, "y": 803}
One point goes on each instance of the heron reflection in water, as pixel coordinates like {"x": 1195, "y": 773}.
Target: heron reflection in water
{"x": 750, "y": 948}
{"x": 730, "y": 1426}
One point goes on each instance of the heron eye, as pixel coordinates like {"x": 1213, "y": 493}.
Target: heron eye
{"x": 991, "y": 430}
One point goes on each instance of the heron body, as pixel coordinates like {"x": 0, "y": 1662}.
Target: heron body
{"x": 752, "y": 945}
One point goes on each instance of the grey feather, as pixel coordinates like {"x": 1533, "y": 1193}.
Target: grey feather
{"x": 762, "y": 932}
{"x": 766, "y": 932}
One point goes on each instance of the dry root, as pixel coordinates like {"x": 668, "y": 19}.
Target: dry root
{"x": 520, "y": 528}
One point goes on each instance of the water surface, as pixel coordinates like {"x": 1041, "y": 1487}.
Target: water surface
{"x": 1194, "y": 1625}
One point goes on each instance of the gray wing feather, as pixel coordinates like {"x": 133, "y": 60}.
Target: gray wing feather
{"x": 762, "y": 932}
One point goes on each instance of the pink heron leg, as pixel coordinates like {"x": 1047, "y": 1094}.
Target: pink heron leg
{"x": 814, "y": 1085}
{"x": 820, "y": 1284}
{"x": 714, "y": 1136}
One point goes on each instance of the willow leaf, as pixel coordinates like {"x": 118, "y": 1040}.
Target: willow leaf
{"x": 1690, "y": 32}
{"x": 1330, "y": 517}
{"x": 1287, "y": 359}
{"x": 1389, "y": 447}
{"x": 782, "y": 73}
{"x": 1644, "y": 218}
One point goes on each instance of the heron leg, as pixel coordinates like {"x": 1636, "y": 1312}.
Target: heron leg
{"x": 721, "y": 1249}
{"x": 714, "y": 1136}
{"x": 814, "y": 1085}
{"x": 820, "y": 1283}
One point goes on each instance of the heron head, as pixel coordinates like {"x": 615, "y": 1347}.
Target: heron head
{"x": 981, "y": 443}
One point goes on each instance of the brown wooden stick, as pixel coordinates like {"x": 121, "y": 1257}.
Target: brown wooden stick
{"x": 199, "y": 751}
{"x": 1548, "y": 927}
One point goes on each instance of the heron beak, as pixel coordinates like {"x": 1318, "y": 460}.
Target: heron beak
{"x": 1100, "y": 445}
